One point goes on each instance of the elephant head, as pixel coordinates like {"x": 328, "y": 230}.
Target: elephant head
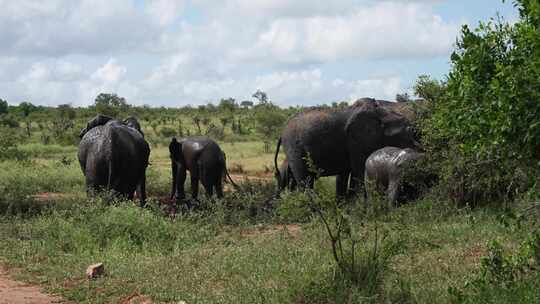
{"x": 371, "y": 127}
{"x": 99, "y": 120}
{"x": 133, "y": 123}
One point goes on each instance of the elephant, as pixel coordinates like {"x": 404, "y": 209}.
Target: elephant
{"x": 322, "y": 142}
{"x": 285, "y": 179}
{"x": 114, "y": 155}
{"x": 205, "y": 161}
{"x": 386, "y": 172}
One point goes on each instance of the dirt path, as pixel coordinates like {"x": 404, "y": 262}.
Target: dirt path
{"x": 14, "y": 292}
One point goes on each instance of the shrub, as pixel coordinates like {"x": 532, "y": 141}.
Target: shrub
{"x": 167, "y": 132}
{"x": 483, "y": 127}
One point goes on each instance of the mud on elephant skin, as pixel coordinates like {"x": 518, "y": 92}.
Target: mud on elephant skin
{"x": 113, "y": 155}
{"x": 394, "y": 173}
{"x": 204, "y": 160}
{"x": 338, "y": 142}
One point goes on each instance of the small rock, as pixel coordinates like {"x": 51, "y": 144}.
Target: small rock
{"x": 95, "y": 270}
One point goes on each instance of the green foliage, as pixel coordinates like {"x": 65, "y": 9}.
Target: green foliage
{"x": 111, "y": 105}
{"x": 9, "y": 120}
{"x": 26, "y": 108}
{"x": 8, "y": 145}
{"x": 4, "y": 107}
{"x": 270, "y": 121}
{"x": 484, "y": 129}
{"x": 504, "y": 277}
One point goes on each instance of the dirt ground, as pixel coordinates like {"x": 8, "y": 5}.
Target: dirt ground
{"x": 14, "y": 292}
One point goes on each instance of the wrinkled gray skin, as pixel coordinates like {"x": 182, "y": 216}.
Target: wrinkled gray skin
{"x": 205, "y": 161}
{"x": 114, "y": 155}
{"x": 339, "y": 142}
{"x": 285, "y": 179}
{"x": 384, "y": 173}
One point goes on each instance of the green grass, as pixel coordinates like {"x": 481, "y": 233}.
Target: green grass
{"x": 237, "y": 250}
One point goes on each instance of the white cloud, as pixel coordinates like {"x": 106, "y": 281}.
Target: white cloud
{"x": 165, "y": 11}
{"x": 382, "y": 31}
{"x": 178, "y": 52}
{"x": 110, "y": 73}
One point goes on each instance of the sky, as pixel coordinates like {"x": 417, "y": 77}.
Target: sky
{"x": 179, "y": 52}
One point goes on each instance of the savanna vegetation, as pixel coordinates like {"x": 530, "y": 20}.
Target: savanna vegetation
{"x": 472, "y": 238}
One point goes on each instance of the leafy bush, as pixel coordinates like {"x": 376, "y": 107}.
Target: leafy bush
{"x": 8, "y": 146}
{"x": 167, "y": 132}
{"x": 504, "y": 277}
{"x": 483, "y": 131}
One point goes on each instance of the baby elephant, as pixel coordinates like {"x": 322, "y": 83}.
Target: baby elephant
{"x": 205, "y": 161}
{"x": 386, "y": 173}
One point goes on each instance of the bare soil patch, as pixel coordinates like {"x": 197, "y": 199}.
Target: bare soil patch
{"x": 14, "y": 292}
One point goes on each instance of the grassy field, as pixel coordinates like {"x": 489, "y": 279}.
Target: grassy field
{"x": 240, "y": 250}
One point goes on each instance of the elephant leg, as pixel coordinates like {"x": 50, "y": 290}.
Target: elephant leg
{"x": 393, "y": 192}
{"x": 358, "y": 166}
{"x": 208, "y": 185}
{"x": 342, "y": 181}
{"x": 194, "y": 186}
{"x": 141, "y": 190}
{"x": 219, "y": 186}
{"x": 178, "y": 186}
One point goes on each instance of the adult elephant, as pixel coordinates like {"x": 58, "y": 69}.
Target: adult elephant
{"x": 389, "y": 172}
{"x": 338, "y": 142}
{"x": 114, "y": 155}
{"x": 204, "y": 160}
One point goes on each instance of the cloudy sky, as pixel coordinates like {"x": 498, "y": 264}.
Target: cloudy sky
{"x": 178, "y": 52}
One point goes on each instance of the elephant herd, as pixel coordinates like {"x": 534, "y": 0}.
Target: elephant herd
{"x": 367, "y": 143}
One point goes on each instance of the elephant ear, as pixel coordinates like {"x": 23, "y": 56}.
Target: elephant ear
{"x": 392, "y": 122}
{"x": 364, "y": 129}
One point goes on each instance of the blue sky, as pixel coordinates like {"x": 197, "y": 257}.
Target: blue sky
{"x": 178, "y": 52}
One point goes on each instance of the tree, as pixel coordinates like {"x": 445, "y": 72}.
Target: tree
{"x": 269, "y": 123}
{"x": 110, "y": 104}
{"x": 246, "y": 104}
{"x": 261, "y": 97}
{"x": 26, "y": 108}
{"x": 227, "y": 105}
{"x": 403, "y": 97}
{"x": 484, "y": 130}
{"x": 3, "y": 107}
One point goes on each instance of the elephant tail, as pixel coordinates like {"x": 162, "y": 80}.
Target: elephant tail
{"x": 226, "y": 172}
{"x": 278, "y": 174}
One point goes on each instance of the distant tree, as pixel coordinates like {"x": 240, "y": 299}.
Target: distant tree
{"x": 403, "y": 97}
{"x": 110, "y": 104}
{"x": 261, "y": 96}
{"x": 197, "y": 121}
{"x": 63, "y": 125}
{"x": 246, "y": 104}
{"x": 269, "y": 123}
{"x": 3, "y": 107}
{"x": 227, "y": 105}
{"x": 66, "y": 111}
{"x": 429, "y": 89}
{"x": 26, "y": 108}
{"x": 224, "y": 122}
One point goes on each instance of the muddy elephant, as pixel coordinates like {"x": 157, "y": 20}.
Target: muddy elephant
{"x": 389, "y": 171}
{"x": 113, "y": 155}
{"x": 322, "y": 142}
{"x": 204, "y": 160}
{"x": 284, "y": 177}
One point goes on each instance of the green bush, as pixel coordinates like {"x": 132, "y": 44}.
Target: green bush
{"x": 482, "y": 130}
